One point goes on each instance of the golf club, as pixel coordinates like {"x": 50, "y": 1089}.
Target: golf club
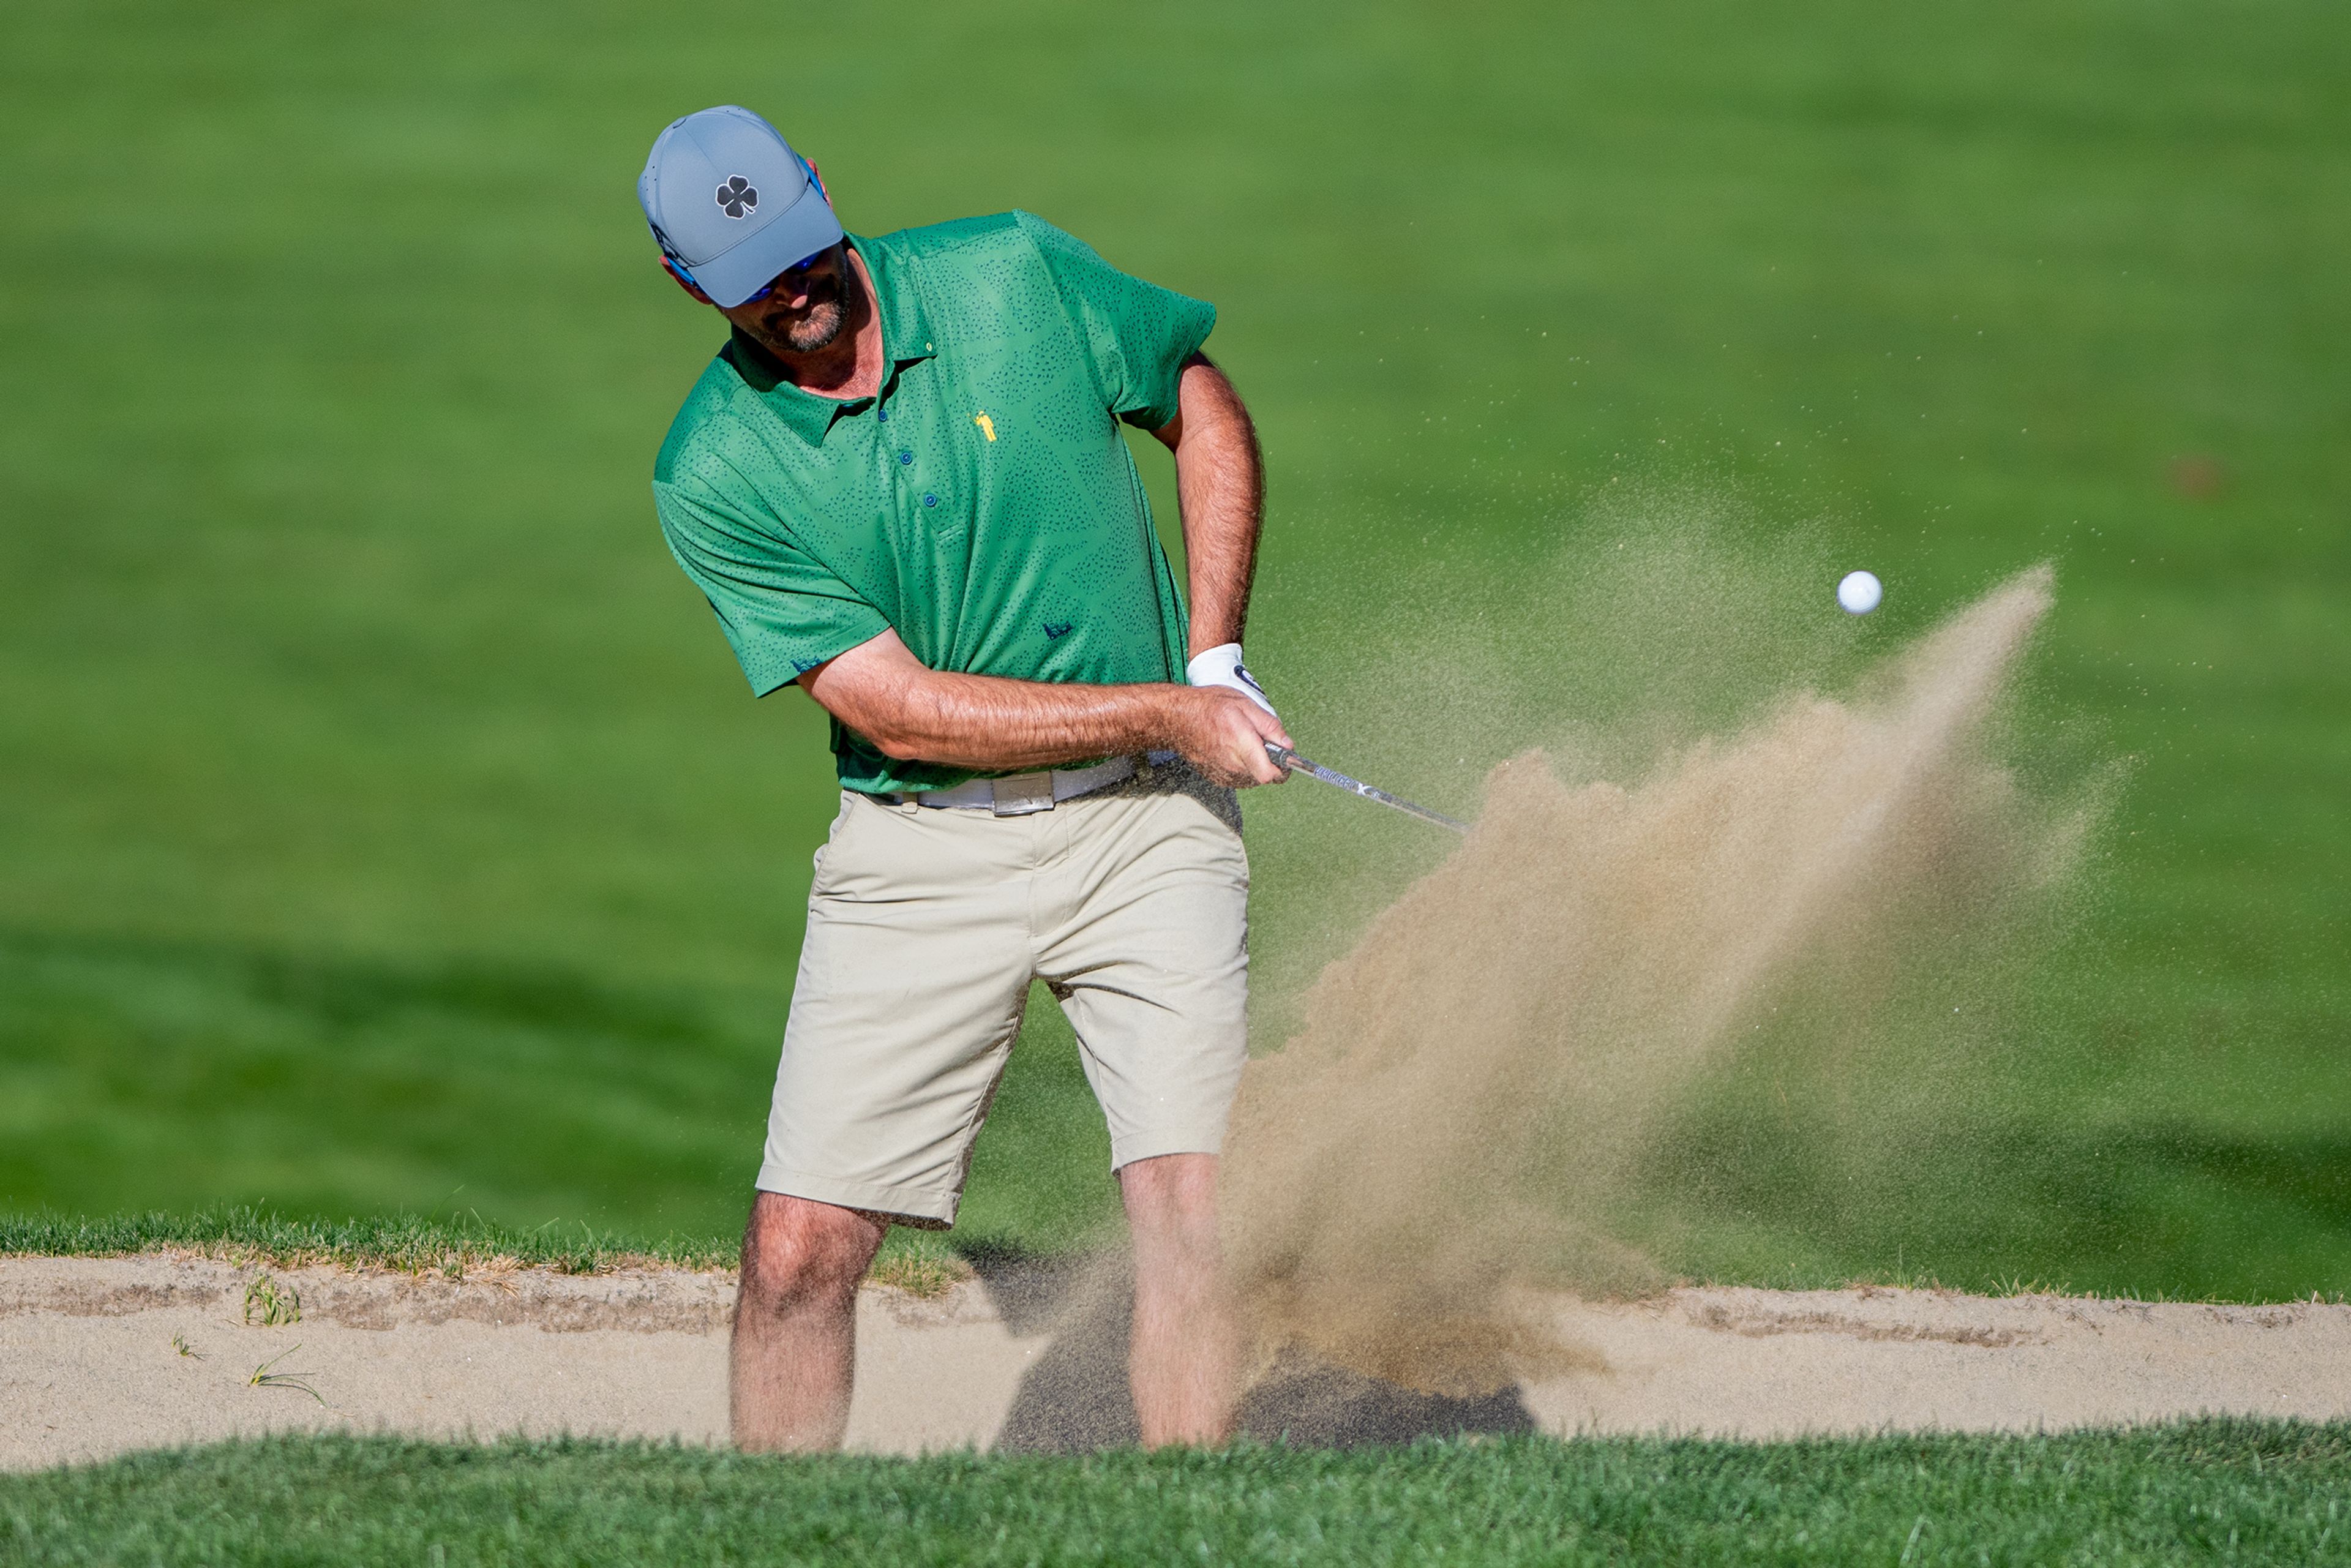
{"x": 1288, "y": 758}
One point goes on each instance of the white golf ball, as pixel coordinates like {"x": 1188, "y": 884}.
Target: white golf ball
{"x": 1859, "y": 592}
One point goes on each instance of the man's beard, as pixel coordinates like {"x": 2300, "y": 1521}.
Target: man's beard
{"x": 809, "y": 333}
{"x": 817, "y": 329}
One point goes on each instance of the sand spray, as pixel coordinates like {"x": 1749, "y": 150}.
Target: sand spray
{"x": 1467, "y": 1092}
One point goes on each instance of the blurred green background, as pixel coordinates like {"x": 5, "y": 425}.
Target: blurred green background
{"x": 384, "y": 825}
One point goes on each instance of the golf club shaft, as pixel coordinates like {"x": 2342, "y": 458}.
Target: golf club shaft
{"x": 1285, "y": 758}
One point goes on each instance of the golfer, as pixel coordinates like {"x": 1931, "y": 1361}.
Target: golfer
{"x": 901, "y": 484}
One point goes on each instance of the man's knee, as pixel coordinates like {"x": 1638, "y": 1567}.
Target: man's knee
{"x": 1173, "y": 1194}
{"x": 796, "y": 1251}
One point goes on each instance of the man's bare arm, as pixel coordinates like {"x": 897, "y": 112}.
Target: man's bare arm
{"x": 912, "y": 712}
{"x": 1220, "y": 492}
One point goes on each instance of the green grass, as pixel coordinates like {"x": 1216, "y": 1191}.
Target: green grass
{"x": 2201, "y": 1491}
{"x": 382, "y": 825}
{"x": 147, "y": 1074}
{"x": 407, "y": 1243}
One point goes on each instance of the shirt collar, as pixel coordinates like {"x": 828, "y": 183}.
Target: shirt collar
{"x": 907, "y": 335}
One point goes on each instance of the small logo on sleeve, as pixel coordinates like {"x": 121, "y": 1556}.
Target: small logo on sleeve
{"x": 737, "y": 197}
{"x": 1055, "y": 630}
{"x": 986, "y": 425}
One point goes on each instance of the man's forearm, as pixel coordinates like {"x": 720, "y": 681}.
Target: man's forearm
{"x": 987, "y": 722}
{"x": 913, "y": 713}
{"x": 1220, "y": 491}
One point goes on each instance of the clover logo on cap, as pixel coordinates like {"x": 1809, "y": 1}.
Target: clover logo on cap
{"x": 736, "y": 198}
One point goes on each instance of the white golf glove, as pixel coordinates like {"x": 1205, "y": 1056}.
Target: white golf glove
{"x": 1221, "y": 667}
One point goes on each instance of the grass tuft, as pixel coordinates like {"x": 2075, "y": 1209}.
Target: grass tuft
{"x": 271, "y": 1305}
{"x": 920, "y": 1264}
{"x": 266, "y": 1375}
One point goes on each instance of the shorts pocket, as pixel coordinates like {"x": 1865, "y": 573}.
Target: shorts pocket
{"x": 831, "y": 837}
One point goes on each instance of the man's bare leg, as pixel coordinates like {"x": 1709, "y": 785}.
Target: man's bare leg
{"x": 1181, "y": 1361}
{"x": 795, "y": 1321}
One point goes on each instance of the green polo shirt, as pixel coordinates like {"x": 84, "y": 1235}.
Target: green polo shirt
{"x": 983, "y": 503}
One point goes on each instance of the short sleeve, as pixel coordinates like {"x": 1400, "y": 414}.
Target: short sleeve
{"x": 782, "y": 611}
{"x": 1137, "y": 334}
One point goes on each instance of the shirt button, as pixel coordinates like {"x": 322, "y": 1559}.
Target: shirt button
{"x": 883, "y": 414}
{"x": 905, "y": 457}
{"x": 930, "y": 500}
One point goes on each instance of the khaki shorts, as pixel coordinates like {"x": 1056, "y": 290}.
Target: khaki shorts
{"x": 925, "y": 929}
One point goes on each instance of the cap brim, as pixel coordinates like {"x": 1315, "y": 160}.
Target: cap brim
{"x": 802, "y": 230}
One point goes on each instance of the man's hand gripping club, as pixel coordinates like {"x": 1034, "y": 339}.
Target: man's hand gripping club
{"x": 913, "y": 713}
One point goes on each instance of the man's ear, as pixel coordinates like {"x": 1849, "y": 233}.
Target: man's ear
{"x": 671, "y": 273}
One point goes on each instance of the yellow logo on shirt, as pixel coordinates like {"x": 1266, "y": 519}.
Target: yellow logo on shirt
{"x": 985, "y": 424}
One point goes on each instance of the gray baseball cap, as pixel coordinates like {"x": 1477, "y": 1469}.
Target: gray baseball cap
{"x": 731, "y": 203}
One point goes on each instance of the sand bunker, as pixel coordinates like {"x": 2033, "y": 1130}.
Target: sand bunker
{"x": 88, "y": 1366}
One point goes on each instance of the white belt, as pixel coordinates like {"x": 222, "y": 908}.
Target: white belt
{"x": 1024, "y": 792}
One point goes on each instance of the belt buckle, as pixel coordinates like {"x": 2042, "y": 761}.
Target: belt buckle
{"x": 1021, "y": 794}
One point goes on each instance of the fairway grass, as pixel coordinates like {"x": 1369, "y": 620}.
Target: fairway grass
{"x": 2197, "y": 1492}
